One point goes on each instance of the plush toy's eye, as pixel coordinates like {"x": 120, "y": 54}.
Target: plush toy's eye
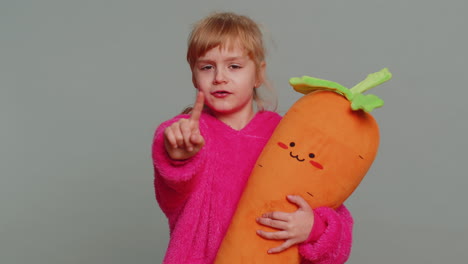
{"x": 292, "y": 144}
{"x": 311, "y": 155}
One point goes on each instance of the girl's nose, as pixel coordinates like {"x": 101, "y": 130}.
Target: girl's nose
{"x": 219, "y": 77}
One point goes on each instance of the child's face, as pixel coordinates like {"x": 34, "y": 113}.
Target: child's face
{"x": 227, "y": 77}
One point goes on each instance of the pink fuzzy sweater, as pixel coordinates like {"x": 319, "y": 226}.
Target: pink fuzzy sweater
{"x": 199, "y": 196}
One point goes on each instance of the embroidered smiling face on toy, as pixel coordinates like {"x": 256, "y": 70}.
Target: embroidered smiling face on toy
{"x": 311, "y": 155}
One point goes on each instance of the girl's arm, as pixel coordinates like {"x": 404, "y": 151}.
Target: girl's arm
{"x": 173, "y": 179}
{"x": 331, "y": 238}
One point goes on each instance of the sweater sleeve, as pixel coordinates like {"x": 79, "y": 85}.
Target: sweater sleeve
{"x": 173, "y": 179}
{"x": 331, "y": 237}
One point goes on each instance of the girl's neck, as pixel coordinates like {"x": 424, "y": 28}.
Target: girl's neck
{"x": 236, "y": 120}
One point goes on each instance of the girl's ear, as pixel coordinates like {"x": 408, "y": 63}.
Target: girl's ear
{"x": 261, "y": 74}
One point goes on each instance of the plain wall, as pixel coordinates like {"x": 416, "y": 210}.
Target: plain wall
{"x": 83, "y": 85}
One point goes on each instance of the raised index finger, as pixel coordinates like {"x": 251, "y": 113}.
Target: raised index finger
{"x": 197, "y": 107}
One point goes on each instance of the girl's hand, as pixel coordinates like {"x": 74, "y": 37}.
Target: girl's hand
{"x": 294, "y": 228}
{"x": 182, "y": 139}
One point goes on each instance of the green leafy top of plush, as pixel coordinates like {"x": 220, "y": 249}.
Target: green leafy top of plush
{"x": 355, "y": 96}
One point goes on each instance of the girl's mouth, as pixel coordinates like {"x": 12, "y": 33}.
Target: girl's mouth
{"x": 220, "y": 94}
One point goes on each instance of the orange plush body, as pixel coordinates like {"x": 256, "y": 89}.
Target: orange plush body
{"x": 321, "y": 150}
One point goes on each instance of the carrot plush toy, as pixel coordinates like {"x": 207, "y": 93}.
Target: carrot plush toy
{"x": 321, "y": 150}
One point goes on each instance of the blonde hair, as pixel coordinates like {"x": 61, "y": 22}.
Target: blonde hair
{"x": 226, "y": 30}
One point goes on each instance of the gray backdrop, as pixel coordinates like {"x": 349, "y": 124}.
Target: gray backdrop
{"x": 85, "y": 83}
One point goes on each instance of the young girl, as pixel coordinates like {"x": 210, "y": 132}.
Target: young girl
{"x": 202, "y": 160}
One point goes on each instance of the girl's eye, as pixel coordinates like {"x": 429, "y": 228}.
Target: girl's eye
{"x": 235, "y": 66}
{"x": 206, "y": 67}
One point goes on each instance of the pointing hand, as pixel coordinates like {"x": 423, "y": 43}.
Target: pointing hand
{"x": 182, "y": 139}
